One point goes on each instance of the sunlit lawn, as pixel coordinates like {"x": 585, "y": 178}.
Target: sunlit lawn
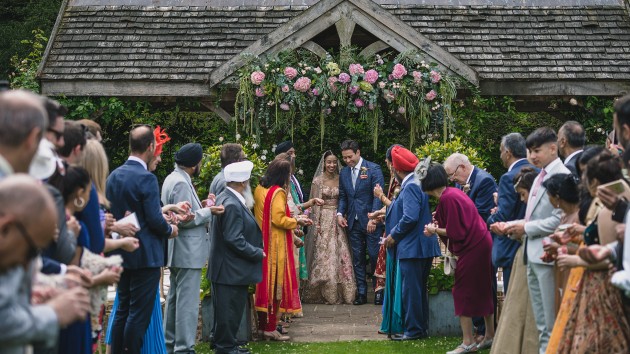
{"x": 429, "y": 345}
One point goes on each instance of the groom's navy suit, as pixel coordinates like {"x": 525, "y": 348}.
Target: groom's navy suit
{"x": 355, "y": 202}
{"x": 132, "y": 188}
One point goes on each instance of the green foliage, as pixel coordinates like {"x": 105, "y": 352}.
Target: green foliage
{"x": 206, "y": 287}
{"x": 440, "y": 151}
{"x": 438, "y": 281}
{"x": 25, "y": 72}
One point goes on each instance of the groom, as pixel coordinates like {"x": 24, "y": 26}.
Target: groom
{"x": 356, "y": 199}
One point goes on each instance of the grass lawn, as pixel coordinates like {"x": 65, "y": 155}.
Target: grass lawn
{"x": 430, "y": 345}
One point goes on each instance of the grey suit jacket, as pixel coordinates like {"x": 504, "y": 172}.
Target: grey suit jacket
{"x": 218, "y": 184}
{"x": 190, "y": 248}
{"x": 544, "y": 218}
{"x": 236, "y": 253}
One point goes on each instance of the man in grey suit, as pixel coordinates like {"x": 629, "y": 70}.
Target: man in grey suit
{"x": 187, "y": 253}
{"x": 230, "y": 153}
{"x": 541, "y": 219}
{"x": 235, "y": 257}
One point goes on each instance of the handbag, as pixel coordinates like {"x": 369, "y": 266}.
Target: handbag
{"x": 450, "y": 261}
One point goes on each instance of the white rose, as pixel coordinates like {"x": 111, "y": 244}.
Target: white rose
{"x": 263, "y": 157}
{"x": 220, "y": 139}
{"x": 238, "y": 136}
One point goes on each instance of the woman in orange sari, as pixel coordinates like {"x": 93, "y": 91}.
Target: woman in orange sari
{"x": 277, "y": 292}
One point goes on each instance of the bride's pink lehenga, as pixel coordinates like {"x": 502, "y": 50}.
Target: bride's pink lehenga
{"x": 331, "y": 277}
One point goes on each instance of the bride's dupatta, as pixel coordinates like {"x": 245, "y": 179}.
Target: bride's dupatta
{"x": 279, "y": 281}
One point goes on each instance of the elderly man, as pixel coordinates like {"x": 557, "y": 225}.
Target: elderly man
{"x": 235, "y": 257}
{"x": 230, "y": 153}
{"x": 571, "y": 140}
{"x": 187, "y": 253}
{"x": 405, "y": 221}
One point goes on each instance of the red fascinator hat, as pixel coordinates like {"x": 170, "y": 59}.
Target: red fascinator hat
{"x": 160, "y": 138}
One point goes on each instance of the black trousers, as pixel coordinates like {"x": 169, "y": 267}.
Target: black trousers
{"x": 136, "y": 290}
{"x": 230, "y": 302}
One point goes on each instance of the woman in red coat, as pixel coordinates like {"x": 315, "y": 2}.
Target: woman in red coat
{"x": 459, "y": 225}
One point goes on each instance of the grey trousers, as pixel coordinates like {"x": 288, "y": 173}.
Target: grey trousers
{"x": 182, "y": 310}
{"x": 542, "y": 291}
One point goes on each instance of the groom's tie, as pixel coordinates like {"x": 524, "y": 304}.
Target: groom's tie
{"x": 354, "y": 176}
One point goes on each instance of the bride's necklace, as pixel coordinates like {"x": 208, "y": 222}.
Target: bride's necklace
{"x": 328, "y": 176}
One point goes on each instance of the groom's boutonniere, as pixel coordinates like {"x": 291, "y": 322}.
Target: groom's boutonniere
{"x": 363, "y": 173}
{"x": 466, "y": 188}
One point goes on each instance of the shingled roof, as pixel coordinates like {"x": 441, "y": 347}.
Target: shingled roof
{"x": 104, "y": 50}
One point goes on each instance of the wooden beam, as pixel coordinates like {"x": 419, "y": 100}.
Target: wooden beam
{"x": 227, "y": 118}
{"x": 345, "y": 28}
{"x": 373, "y": 48}
{"x": 399, "y": 35}
{"x": 125, "y": 88}
{"x": 315, "y": 48}
{"x": 285, "y": 33}
{"x": 554, "y": 88}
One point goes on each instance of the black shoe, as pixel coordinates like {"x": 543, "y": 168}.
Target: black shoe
{"x": 360, "y": 300}
{"x": 378, "y": 297}
{"x": 243, "y": 350}
{"x": 400, "y": 337}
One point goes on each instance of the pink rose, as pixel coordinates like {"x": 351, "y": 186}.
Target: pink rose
{"x": 344, "y": 78}
{"x": 401, "y": 110}
{"x": 284, "y": 106}
{"x": 371, "y": 76}
{"x": 331, "y": 83}
{"x": 290, "y": 73}
{"x": 328, "y": 111}
{"x": 381, "y": 84}
{"x": 435, "y": 76}
{"x": 257, "y": 77}
{"x": 371, "y": 106}
{"x": 358, "y": 103}
{"x": 315, "y": 92}
{"x": 431, "y": 95}
{"x": 260, "y": 92}
{"x": 355, "y": 69}
{"x": 417, "y": 77}
{"x": 285, "y": 88}
{"x": 302, "y": 84}
{"x": 399, "y": 71}
{"x": 353, "y": 89}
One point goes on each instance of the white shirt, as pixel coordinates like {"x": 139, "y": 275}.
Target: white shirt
{"x": 358, "y": 166}
{"x": 514, "y": 163}
{"x": 471, "y": 171}
{"x": 406, "y": 178}
{"x": 137, "y": 159}
{"x": 237, "y": 194}
{"x": 573, "y": 154}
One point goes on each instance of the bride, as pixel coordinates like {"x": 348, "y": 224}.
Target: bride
{"x": 331, "y": 277}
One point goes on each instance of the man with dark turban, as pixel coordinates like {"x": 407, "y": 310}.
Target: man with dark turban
{"x": 414, "y": 252}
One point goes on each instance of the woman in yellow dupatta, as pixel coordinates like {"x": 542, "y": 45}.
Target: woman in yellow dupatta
{"x": 277, "y": 291}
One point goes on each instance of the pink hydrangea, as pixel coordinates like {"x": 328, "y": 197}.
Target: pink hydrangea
{"x": 344, "y": 78}
{"x": 381, "y": 84}
{"x": 435, "y": 76}
{"x": 284, "y": 106}
{"x": 356, "y": 69}
{"x": 371, "y": 76}
{"x": 399, "y": 71}
{"x": 260, "y": 92}
{"x": 302, "y": 84}
{"x": 431, "y": 95}
{"x": 290, "y": 72}
{"x": 285, "y": 88}
{"x": 358, "y": 103}
{"x": 315, "y": 92}
{"x": 257, "y": 77}
{"x": 417, "y": 77}
{"x": 331, "y": 83}
{"x": 353, "y": 89}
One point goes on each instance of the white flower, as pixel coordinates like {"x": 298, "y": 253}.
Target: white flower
{"x": 263, "y": 157}
{"x": 573, "y": 102}
{"x": 264, "y": 152}
{"x": 300, "y": 172}
{"x": 451, "y": 136}
{"x": 221, "y": 139}
{"x": 238, "y": 136}
{"x": 333, "y": 103}
{"x": 254, "y": 146}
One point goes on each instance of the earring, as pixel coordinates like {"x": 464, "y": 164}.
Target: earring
{"x": 79, "y": 202}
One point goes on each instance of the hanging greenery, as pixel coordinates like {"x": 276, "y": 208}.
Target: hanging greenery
{"x": 297, "y": 87}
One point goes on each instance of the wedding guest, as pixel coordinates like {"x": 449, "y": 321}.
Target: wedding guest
{"x": 356, "y": 184}
{"x": 331, "y": 278}
{"x": 28, "y": 216}
{"x": 509, "y": 206}
{"x": 571, "y": 140}
{"x": 93, "y": 128}
{"x": 236, "y": 255}
{"x": 230, "y": 153}
{"x": 541, "y": 219}
{"x": 273, "y": 217}
{"x": 516, "y": 331}
{"x": 55, "y": 112}
{"x": 463, "y": 230}
{"x": 480, "y": 187}
{"x": 405, "y": 221}
{"x": 131, "y": 187}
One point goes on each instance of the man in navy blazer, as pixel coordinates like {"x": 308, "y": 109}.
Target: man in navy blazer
{"x": 405, "y": 221}
{"x": 509, "y": 206}
{"x": 356, "y": 199}
{"x": 131, "y": 187}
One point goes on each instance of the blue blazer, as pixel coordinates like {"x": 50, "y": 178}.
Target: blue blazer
{"x": 482, "y": 188}
{"x": 132, "y": 188}
{"x": 359, "y": 200}
{"x": 405, "y": 221}
{"x": 509, "y": 208}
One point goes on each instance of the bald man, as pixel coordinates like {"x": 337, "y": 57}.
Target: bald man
{"x": 23, "y": 121}
{"x": 27, "y": 224}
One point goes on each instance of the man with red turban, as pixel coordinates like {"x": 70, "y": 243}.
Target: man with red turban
{"x": 414, "y": 252}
